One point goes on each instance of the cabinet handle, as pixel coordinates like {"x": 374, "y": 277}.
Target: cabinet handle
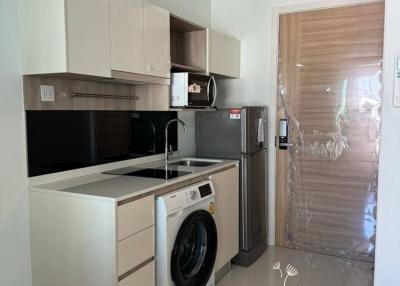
{"x": 110, "y": 96}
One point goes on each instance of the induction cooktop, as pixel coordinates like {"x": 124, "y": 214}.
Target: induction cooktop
{"x": 155, "y": 173}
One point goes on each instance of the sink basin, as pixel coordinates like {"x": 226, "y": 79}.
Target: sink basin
{"x": 194, "y": 163}
{"x": 152, "y": 173}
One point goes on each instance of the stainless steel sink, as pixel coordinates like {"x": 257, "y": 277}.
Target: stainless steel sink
{"x": 194, "y": 163}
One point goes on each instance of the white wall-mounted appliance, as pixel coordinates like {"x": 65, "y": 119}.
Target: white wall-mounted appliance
{"x": 186, "y": 237}
{"x": 190, "y": 90}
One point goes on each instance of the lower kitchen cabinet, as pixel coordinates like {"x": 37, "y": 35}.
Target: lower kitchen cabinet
{"x": 226, "y": 185}
{"x": 91, "y": 241}
{"x": 87, "y": 240}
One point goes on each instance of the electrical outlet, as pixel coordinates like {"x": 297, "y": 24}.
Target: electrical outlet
{"x": 47, "y": 93}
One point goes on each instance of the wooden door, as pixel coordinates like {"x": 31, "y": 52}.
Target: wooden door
{"x": 157, "y": 56}
{"x": 330, "y": 92}
{"x": 127, "y": 35}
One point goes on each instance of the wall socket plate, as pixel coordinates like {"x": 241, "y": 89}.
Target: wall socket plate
{"x": 47, "y": 93}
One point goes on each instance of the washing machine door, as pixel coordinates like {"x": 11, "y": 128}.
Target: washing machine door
{"x": 195, "y": 250}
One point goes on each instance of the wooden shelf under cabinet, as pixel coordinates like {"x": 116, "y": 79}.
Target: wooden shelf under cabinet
{"x": 193, "y": 109}
{"x": 184, "y": 68}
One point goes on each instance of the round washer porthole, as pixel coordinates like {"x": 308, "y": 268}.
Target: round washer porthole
{"x": 195, "y": 250}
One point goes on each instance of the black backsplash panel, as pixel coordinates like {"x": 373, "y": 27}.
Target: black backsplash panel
{"x": 66, "y": 140}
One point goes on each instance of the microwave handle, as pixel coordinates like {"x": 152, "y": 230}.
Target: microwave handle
{"x": 208, "y": 89}
{"x": 215, "y": 90}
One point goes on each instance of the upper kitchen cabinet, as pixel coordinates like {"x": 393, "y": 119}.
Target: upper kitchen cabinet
{"x": 127, "y": 36}
{"x": 224, "y": 55}
{"x": 66, "y": 36}
{"x": 188, "y": 46}
{"x": 157, "y": 56}
{"x": 140, "y": 43}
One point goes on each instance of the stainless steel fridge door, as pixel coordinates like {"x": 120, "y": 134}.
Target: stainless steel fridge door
{"x": 254, "y": 128}
{"x": 253, "y": 199}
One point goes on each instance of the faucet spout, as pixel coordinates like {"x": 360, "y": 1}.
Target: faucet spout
{"x": 166, "y": 136}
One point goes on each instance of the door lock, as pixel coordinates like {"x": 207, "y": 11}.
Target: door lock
{"x": 284, "y": 135}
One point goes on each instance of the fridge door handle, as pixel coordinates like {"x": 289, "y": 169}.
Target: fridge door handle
{"x": 244, "y": 193}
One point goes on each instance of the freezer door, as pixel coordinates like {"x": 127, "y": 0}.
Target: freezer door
{"x": 253, "y": 200}
{"x": 254, "y": 128}
{"x": 217, "y": 135}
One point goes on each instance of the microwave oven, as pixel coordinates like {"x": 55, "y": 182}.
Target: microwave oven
{"x": 193, "y": 90}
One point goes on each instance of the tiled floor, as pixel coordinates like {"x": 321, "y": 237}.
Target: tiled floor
{"x": 313, "y": 270}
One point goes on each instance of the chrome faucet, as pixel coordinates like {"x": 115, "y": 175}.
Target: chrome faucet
{"x": 153, "y": 128}
{"x": 166, "y": 136}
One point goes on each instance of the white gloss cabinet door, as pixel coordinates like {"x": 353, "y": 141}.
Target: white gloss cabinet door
{"x": 88, "y": 37}
{"x": 232, "y": 57}
{"x": 157, "y": 56}
{"x": 226, "y": 185}
{"x": 217, "y": 53}
{"x": 127, "y": 27}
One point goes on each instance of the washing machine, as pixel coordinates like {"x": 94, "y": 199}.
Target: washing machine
{"x": 186, "y": 237}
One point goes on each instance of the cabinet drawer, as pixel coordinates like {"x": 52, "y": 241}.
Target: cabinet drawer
{"x": 135, "y": 216}
{"x": 143, "y": 277}
{"x": 135, "y": 250}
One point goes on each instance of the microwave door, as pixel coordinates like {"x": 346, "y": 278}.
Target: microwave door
{"x": 192, "y": 90}
{"x": 207, "y": 95}
{"x": 197, "y": 100}
{"x": 198, "y": 94}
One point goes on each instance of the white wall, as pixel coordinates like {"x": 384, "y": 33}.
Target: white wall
{"x": 197, "y": 11}
{"x": 388, "y": 231}
{"x": 14, "y": 235}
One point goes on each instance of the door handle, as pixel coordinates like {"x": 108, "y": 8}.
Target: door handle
{"x": 287, "y": 145}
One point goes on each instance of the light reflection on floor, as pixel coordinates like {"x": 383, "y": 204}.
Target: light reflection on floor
{"x": 314, "y": 270}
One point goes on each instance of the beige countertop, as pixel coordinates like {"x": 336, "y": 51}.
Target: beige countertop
{"x": 122, "y": 189}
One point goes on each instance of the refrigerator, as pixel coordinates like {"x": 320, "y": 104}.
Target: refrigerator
{"x": 241, "y": 134}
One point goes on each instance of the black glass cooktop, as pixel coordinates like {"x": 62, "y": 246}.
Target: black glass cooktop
{"x": 157, "y": 173}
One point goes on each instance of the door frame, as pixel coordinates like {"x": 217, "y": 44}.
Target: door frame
{"x": 273, "y": 103}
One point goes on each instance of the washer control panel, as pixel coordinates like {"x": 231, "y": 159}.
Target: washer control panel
{"x": 192, "y": 195}
{"x": 188, "y": 196}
